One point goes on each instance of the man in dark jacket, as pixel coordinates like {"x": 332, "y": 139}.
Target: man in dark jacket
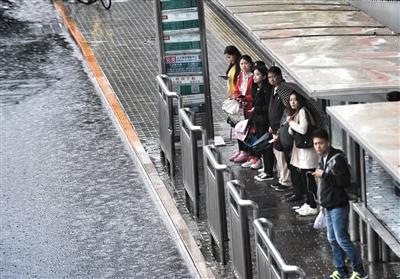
{"x": 334, "y": 177}
{"x": 278, "y": 99}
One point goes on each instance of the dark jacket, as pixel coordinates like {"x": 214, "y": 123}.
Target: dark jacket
{"x": 275, "y": 111}
{"x": 335, "y": 179}
{"x": 261, "y": 97}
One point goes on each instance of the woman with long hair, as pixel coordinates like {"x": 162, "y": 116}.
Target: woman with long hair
{"x": 243, "y": 95}
{"x": 303, "y": 160}
{"x": 232, "y": 54}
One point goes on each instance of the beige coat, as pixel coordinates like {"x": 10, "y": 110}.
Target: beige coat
{"x": 302, "y": 158}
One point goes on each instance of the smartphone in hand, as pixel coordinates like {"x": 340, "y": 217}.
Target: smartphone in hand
{"x": 223, "y": 77}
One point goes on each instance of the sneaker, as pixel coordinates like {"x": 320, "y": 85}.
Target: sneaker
{"x": 303, "y": 207}
{"x": 359, "y": 275}
{"x": 308, "y": 212}
{"x": 336, "y": 275}
{"x": 293, "y": 198}
{"x": 241, "y": 158}
{"x": 263, "y": 177}
{"x": 247, "y": 164}
{"x": 281, "y": 188}
{"x": 256, "y": 164}
{"x": 237, "y": 153}
{"x": 261, "y": 170}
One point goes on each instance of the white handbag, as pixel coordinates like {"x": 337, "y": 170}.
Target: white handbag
{"x": 231, "y": 106}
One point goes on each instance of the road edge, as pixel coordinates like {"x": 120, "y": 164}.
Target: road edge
{"x": 133, "y": 140}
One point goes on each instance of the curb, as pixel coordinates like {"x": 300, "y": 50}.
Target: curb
{"x": 159, "y": 188}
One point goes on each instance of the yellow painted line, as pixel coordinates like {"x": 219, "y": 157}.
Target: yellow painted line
{"x": 134, "y": 141}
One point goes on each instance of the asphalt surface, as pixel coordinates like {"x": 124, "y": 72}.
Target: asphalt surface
{"x": 73, "y": 201}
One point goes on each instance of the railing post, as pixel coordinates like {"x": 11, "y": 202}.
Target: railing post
{"x": 215, "y": 199}
{"x": 189, "y": 152}
{"x": 166, "y": 121}
{"x": 239, "y": 230}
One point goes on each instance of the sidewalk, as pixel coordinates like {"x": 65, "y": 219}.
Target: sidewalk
{"x": 123, "y": 42}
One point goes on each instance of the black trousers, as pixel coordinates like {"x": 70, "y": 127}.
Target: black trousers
{"x": 304, "y": 184}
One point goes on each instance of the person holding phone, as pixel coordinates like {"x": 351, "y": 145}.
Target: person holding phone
{"x": 232, "y": 54}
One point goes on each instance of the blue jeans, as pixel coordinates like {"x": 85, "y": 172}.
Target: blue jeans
{"x": 337, "y": 223}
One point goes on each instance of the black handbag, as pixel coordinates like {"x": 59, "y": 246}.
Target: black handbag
{"x": 306, "y": 140}
{"x": 285, "y": 139}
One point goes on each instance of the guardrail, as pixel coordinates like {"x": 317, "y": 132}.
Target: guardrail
{"x": 189, "y": 152}
{"x": 215, "y": 199}
{"x": 239, "y": 230}
{"x": 269, "y": 262}
{"x": 166, "y": 121}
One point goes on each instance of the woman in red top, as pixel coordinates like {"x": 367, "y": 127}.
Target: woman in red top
{"x": 243, "y": 95}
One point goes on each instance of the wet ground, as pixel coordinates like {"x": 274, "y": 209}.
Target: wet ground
{"x": 73, "y": 202}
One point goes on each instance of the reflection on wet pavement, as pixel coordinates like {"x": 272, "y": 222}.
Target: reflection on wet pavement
{"x": 73, "y": 203}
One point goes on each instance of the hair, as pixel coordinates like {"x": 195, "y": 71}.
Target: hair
{"x": 259, "y": 63}
{"x": 246, "y": 58}
{"x": 321, "y": 133}
{"x": 232, "y": 50}
{"x": 275, "y": 70}
{"x": 300, "y": 100}
{"x": 262, "y": 69}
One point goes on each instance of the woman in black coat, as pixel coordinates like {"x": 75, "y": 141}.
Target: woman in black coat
{"x": 261, "y": 92}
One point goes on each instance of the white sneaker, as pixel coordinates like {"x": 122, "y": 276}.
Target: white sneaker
{"x": 308, "y": 212}
{"x": 256, "y": 165}
{"x": 303, "y": 207}
{"x": 247, "y": 164}
{"x": 263, "y": 177}
{"x": 261, "y": 170}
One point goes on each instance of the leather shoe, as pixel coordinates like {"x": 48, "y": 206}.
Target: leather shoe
{"x": 293, "y": 198}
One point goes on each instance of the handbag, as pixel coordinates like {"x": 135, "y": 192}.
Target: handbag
{"x": 231, "y": 106}
{"x": 320, "y": 221}
{"x": 285, "y": 138}
{"x": 306, "y": 140}
{"x": 242, "y": 129}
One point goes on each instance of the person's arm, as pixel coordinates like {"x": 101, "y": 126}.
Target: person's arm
{"x": 236, "y": 93}
{"x": 302, "y": 126}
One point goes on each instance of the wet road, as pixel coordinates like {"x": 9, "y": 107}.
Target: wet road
{"x": 73, "y": 203}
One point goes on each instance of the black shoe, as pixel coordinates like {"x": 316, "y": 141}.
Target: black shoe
{"x": 288, "y": 194}
{"x": 293, "y": 198}
{"x": 281, "y": 188}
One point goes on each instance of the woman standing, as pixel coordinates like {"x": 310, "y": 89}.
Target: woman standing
{"x": 243, "y": 95}
{"x": 232, "y": 54}
{"x": 261, "y": 92}
{"x": 303, "y": 160}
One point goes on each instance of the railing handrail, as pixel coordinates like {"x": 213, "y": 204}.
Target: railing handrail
{"x": 194, "y": 128}
{"x": 164, "y": 87}
{"x": 211, "y": 158}
{"x": 274, "y": 252}
{"x": 236, "y": 196}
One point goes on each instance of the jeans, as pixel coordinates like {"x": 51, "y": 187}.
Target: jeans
{"x": 337, "y": 222}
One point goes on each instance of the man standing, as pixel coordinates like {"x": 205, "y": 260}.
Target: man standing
{"x": 276, "y": 107}
{"x": 335, "y": 175}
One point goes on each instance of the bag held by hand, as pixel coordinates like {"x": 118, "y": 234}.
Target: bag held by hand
{"x": 231, "y": 106}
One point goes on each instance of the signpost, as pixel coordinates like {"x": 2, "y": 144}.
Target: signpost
{"x": 183, "y": 54}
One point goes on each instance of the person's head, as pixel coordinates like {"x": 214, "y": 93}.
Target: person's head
{"x": 275, "y": 76}
{"x": 296, "y": 102}
{"x": 321, "y": 141}
{"x": 232, "y": 54}
{"x": 246, "y": 63}
{"x": 259, "y": 63}
{"x": 259, "y": 74}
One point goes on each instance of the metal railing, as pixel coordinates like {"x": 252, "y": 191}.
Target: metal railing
{"x": 269, "y": 262}
{"x": 215, "y": 199}
{"x": 239, "y": 230}
{"x": 189, "y": 152}
{"x": 166, "y": 121}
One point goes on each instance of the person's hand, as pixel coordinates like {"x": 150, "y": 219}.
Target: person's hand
{"x": 288, "y": 118}
{"x": 224, "y": 77}
{"x": 321, "y": 209}
{"x": 270, "y": 130}
{"x": 251, "y": 110}
{"x": 318, "y": 173}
